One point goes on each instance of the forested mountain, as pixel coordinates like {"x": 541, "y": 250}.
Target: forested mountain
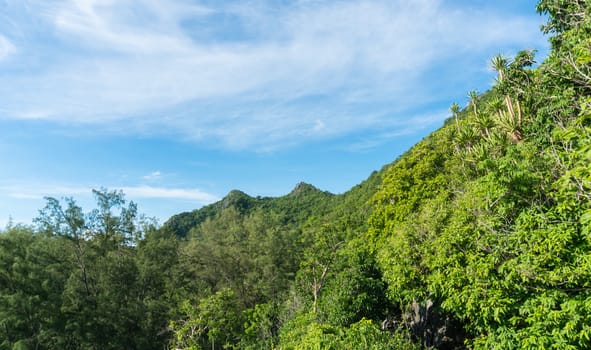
{"x": 477, "y": 237}
{"x": 302, "y": 202}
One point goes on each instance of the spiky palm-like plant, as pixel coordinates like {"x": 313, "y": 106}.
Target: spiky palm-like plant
{"x": 473, "y": 96}
{"x": 455, "y": 110}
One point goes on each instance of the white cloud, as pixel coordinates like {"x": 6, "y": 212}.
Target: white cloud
{"x": 152, "y": 176}
{"x": 145, "y": 27}
{"x": 7, "y": 48}
{"x": 22, "y": 200}
{"x": 294, "y": 73}
{"x": 35, "y": 192}
{"x": 169, "y": 193}
{"x": 402, "y": 127}
{"x": 131, "y": 192}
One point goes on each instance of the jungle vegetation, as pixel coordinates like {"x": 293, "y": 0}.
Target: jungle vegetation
{"x": 478, "y": 237}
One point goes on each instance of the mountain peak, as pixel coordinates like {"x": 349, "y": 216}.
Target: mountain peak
{"x": 303, "y": 187}
{"x": 237, "y": 199}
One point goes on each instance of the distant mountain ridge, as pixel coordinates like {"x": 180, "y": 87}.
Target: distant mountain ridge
{"x": 297, "y": 202}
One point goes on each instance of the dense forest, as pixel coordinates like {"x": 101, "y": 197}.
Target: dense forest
{"x": 478, "y": 237}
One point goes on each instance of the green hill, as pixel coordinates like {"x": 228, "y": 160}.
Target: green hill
{"x": 302, "y": 202}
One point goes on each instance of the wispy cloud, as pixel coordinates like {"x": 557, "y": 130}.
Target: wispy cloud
{"x": 131, "y": 192}
{"x": 155, "y": 175}
{"x": 21, "y": 200}
{"x": 250, "y": 77}
{"x": 169, "y": 193}
{"x": 7, "y": 48}
{"x": 402, "y": 127}
{"x": 33, "y": 192}
{"x": 147, "y": 27}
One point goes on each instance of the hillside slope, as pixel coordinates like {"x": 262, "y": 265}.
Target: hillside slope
{"x": 487, "y": 220}
{"x": 478, "y": 235}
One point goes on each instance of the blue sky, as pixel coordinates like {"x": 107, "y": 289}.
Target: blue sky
{"x": 177, "y": 102}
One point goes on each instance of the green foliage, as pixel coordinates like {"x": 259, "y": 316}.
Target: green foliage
{"x": 32, "y": 270}
{"x": 356, "y": 289}
{"x": 303, "y": 333}
{"x": 261, "y": 327}
{"x": 294, "y": 209}
{"x": 254, "y": 247}
{"x": 78, "y": 282}
{"x": 500, "y": 238}
{"x": 213, "y": 320}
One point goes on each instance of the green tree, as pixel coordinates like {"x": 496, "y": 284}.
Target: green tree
{"x": 102, "y": 300}
{"x": 32, "y": 275}
{"x": 214, "y": 322}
